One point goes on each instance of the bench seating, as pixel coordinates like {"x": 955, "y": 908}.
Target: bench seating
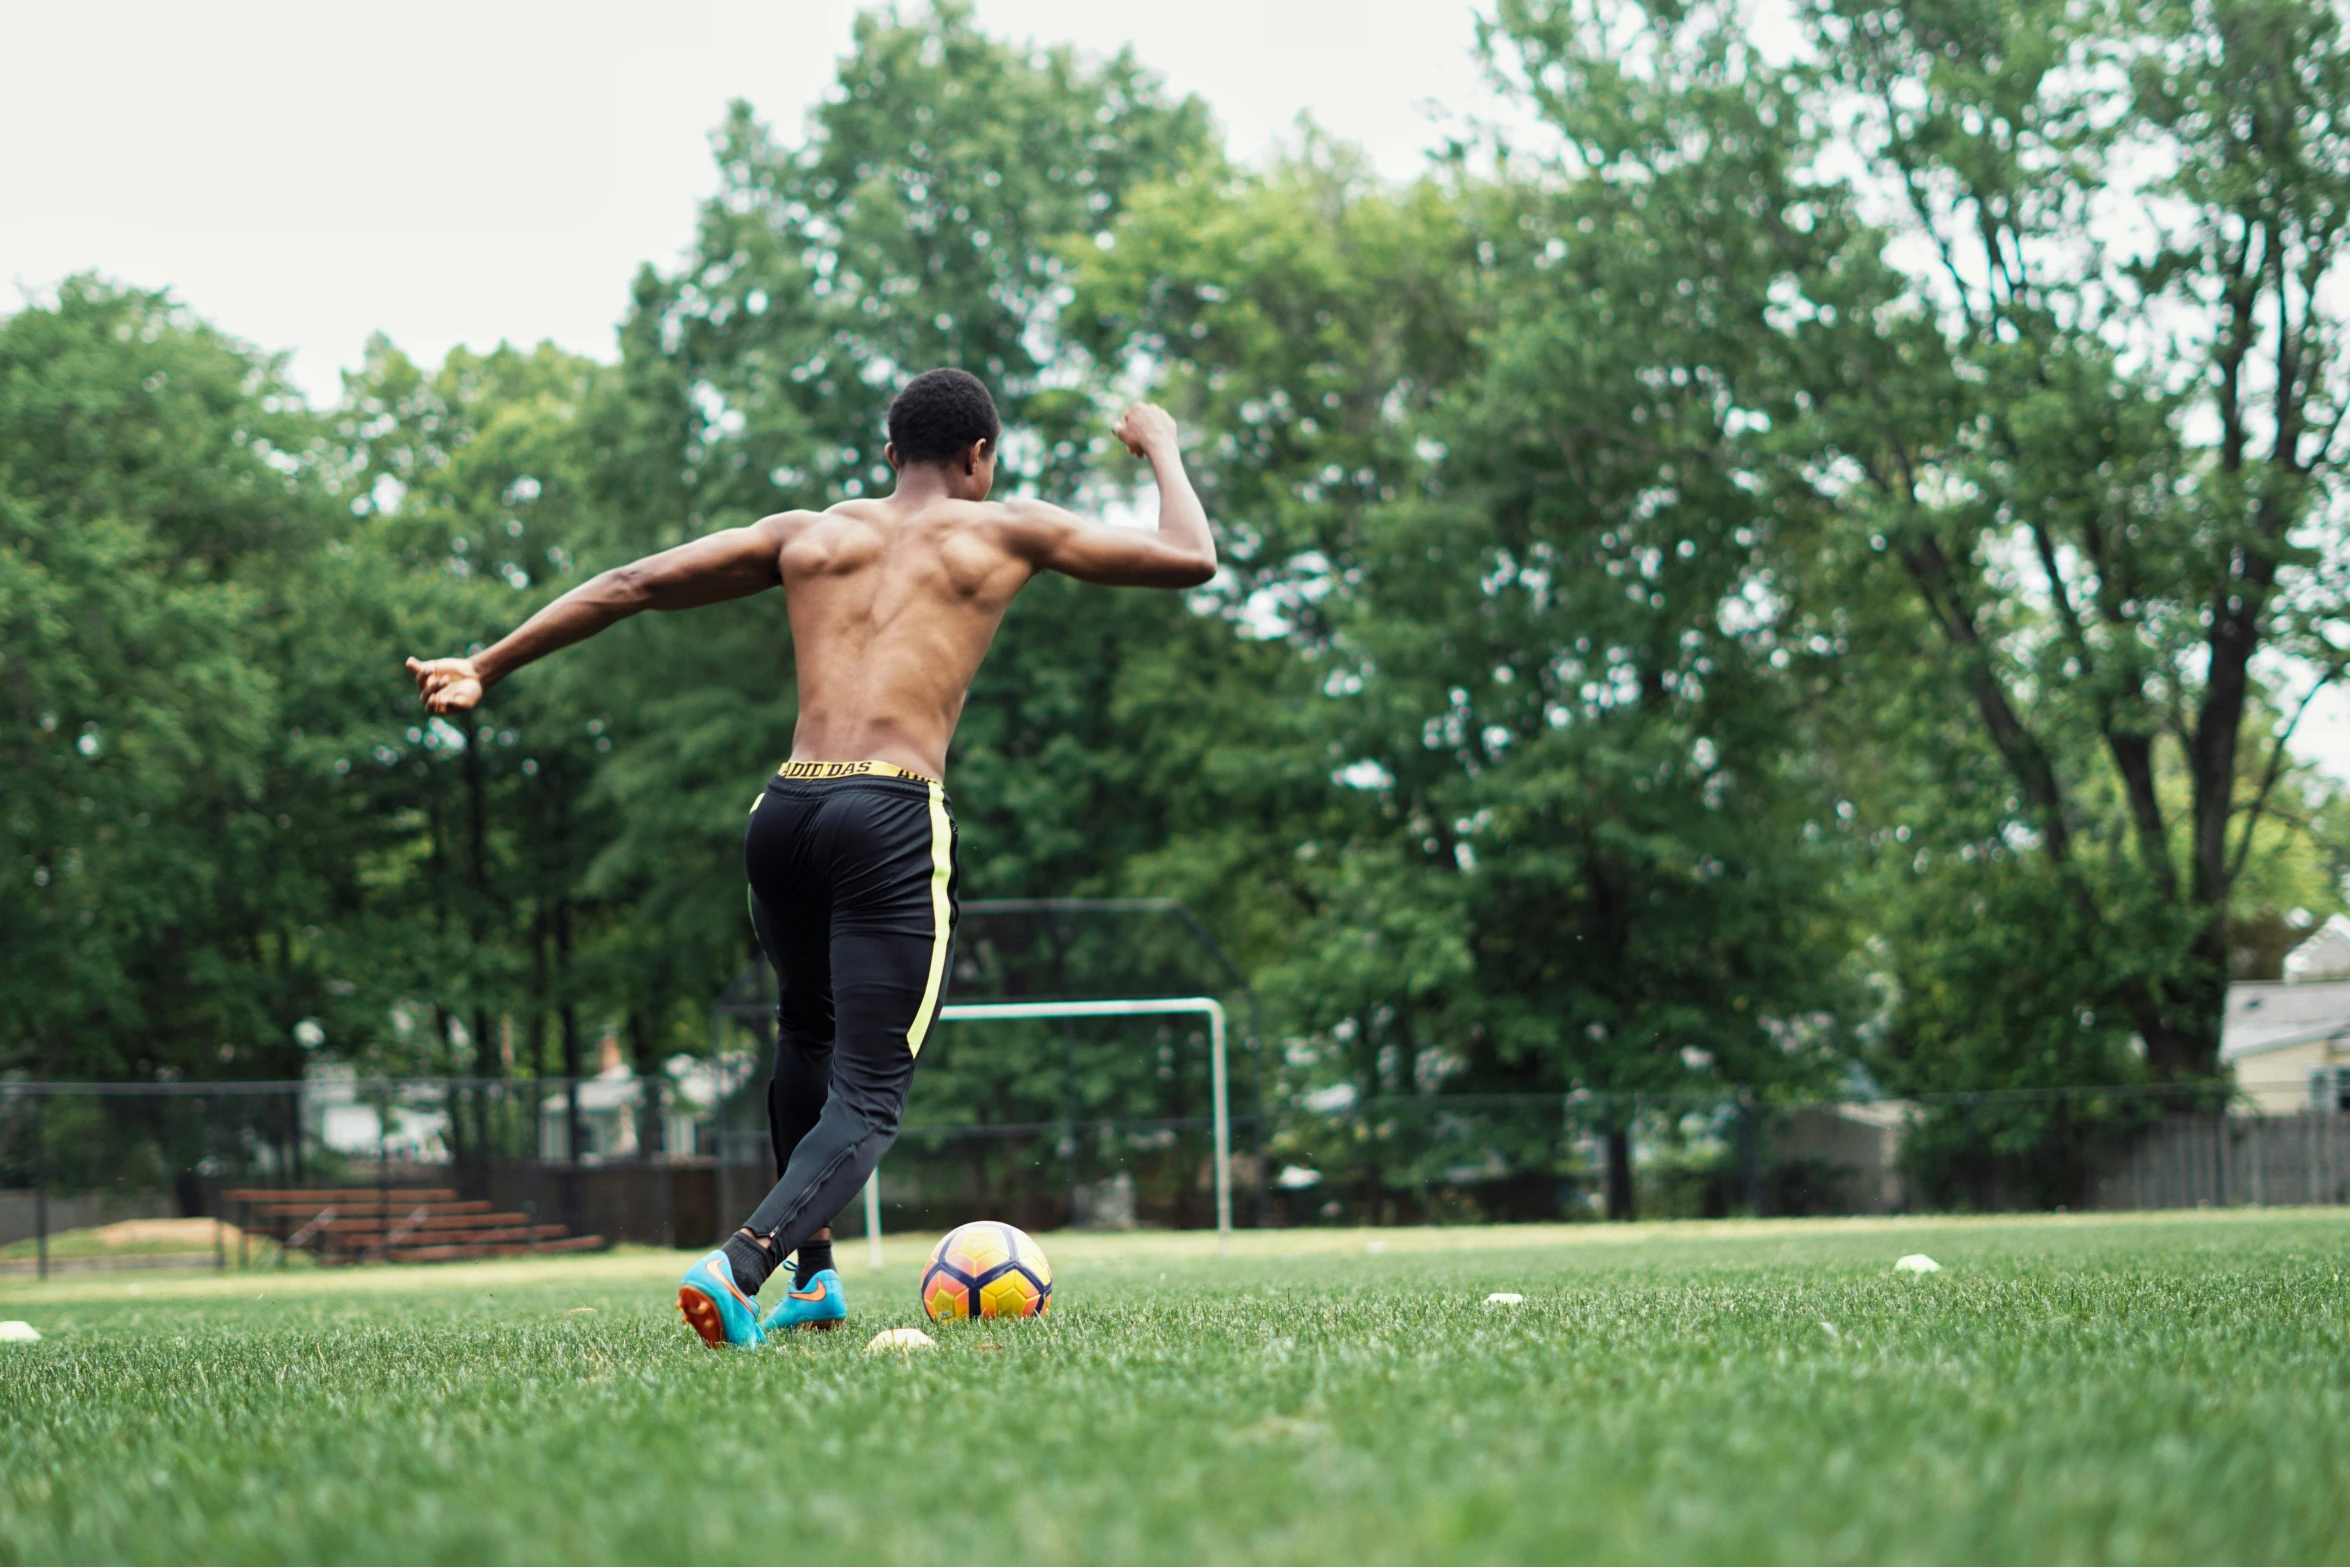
{"x": 396, "y": 1224}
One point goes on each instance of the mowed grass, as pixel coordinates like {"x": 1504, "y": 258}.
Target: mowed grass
{"x": 2144, "y": 1389}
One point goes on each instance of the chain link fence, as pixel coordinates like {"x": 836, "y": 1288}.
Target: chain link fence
{"x": 550, "y": 1162}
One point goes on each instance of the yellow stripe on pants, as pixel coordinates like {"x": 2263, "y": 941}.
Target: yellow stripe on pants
{"x": 942, "y": 867}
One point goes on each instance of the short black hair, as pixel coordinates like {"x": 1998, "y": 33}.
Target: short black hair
{"x": 939, "y": 413}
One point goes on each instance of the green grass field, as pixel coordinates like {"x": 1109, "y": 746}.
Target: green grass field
{"x": 2158, "y": 1389}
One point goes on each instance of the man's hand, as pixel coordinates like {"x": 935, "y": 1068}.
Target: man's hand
{"x": 448, "y": 685}
{"x": 1146, "y": 428}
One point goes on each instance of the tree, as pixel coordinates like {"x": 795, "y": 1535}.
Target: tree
{"x": 475, "y": 483}
{"x": 1481, "y": 446}
{"x": 161, "y": 491}
{"x": 2093, "y": 429}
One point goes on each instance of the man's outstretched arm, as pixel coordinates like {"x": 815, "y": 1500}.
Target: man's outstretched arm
{"x": 732, "y": 564}
{"x": 1181, "y": 554}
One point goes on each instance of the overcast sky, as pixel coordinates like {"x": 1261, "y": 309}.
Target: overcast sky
{"x": 305, "y": 174}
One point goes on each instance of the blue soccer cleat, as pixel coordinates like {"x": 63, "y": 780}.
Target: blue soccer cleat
{"x": 715, "y": 1306}
{"x": 820, "y": 1305}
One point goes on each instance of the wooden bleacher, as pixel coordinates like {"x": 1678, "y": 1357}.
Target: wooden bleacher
{"x": 396, "y": 1224}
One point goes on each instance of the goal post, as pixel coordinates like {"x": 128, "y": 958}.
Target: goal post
{"x": 1155, "y": 1006}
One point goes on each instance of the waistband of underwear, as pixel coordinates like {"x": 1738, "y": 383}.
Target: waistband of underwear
{"x": 826, "y": 770}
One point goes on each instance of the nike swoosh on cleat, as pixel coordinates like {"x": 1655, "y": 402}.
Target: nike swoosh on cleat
{"x": 732, "y": 1288}
{"x": 815, "y": 1294}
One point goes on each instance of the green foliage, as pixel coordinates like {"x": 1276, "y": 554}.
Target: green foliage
{"x": 1764, "y": 571}
{"x": 476, "y": 483}
{"x": 1575, "y": 850}
{"x": 157, "y": 482}
{"x": 2107, "y": 529}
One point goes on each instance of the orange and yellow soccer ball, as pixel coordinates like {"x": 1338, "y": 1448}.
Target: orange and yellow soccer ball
{"x": 986, "y": 1270}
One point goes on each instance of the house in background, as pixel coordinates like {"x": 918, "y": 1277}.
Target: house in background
{"x": 2288, "y": 1041}
{"x": 342, "y": 1117}
{"x": 611, "y": 1106}
{"x": 369, "y": 1119}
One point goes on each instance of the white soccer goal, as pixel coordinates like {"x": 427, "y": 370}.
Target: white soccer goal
{"x": 1212, "y": 1009}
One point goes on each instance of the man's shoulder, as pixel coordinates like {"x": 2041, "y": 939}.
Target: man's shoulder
{"x": 789, "y": 521}
{"x": 1021, "y": 526}
{"x": 879, "y": 511}
{"x": 1019, "y": 509}
{"x": 833, "y": 524}
{"x": 1007, "y": 518}
{"x": 1021, "y": 512}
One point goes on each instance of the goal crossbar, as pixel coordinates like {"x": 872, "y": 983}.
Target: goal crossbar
{"x": 1153, "y": 1006}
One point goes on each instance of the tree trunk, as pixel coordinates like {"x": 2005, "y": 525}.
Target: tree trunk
{"x": 485, "y": 1062}
{"x": 650, "y": 1128}
{"x": 1619, "y": 1175}
{"x": 575, "y": 1128}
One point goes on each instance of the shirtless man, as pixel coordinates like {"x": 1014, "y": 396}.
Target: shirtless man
{"x": 851, "y": 849}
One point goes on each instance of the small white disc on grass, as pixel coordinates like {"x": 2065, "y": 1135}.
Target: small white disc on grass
{"x": 1917, "y": 1262}
{"x": 1504, "y": 1298}
{"x": 900, "y": 1338}
{"x": 1374, "y": 1247}
{"x": 19, "y": 1333}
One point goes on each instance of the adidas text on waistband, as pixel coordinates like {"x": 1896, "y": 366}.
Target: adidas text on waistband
{"x": 851, "y": 770}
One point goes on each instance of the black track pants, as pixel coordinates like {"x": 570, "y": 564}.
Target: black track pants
{"x": 852, "y": 870}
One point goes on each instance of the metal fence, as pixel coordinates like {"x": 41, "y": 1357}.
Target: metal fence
{"x": 642, "y": 1160}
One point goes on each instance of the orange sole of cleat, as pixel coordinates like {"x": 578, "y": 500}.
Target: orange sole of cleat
{"x": 701, "y": 1314}
{"x": 819, "y": 1327}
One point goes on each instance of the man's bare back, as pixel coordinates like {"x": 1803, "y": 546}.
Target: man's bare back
{"x": 893, "y": 601}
